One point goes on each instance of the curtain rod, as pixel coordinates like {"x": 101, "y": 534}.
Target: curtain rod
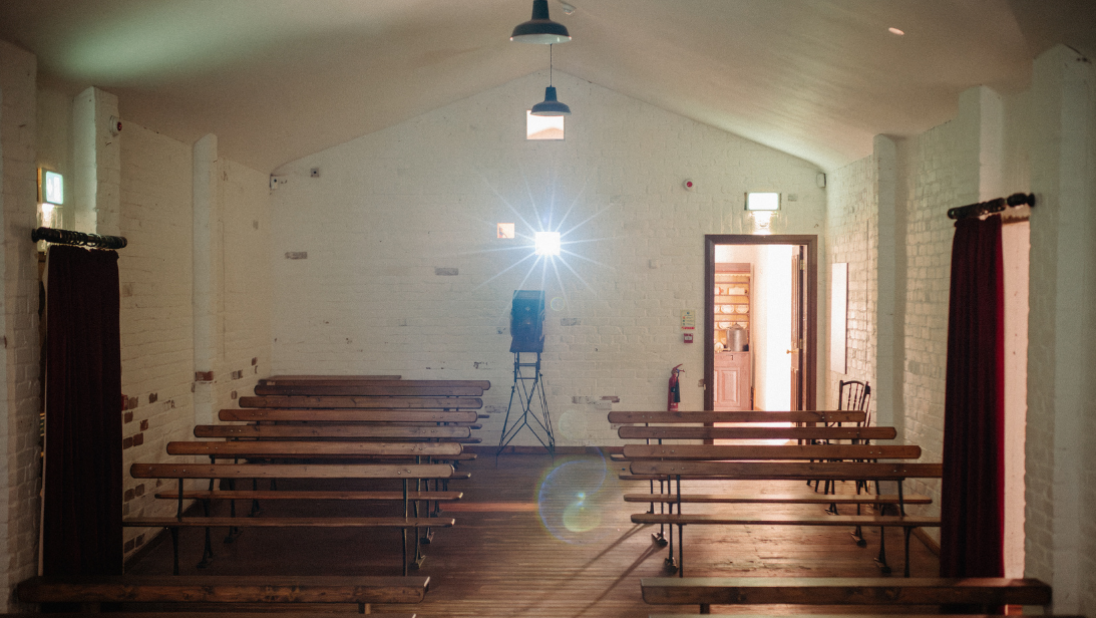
{"x": 68, "y": 237}
{"x": 992, "y": 206}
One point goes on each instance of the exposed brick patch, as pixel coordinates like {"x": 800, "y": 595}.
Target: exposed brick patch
{"x": 128, "y": 495}
{"x": 138, "y": 439}
{"x": 153, "y": 397}
{"x": 127, "y": 417}
{"x": 127, "y": 443}
{"x": 144, "y": 424}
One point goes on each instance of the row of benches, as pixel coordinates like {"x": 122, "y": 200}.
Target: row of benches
{"x": 826, "y": 461}
{"x": 348, "y": 442}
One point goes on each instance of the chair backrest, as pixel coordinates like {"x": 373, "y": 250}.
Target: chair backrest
{"x": 855, "y": 396}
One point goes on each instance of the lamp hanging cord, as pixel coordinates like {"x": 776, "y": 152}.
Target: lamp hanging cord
{"x": 549, "y": 64}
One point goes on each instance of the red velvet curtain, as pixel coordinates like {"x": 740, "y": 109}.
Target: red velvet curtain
{"x": 82, "y": 519}
{"x": 972, "y": 504}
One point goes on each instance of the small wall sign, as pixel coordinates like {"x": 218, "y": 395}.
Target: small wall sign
{"x": 688, "y": 319}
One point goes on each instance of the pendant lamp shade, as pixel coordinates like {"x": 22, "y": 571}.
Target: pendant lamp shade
{"x": 540, "y": 29}
{"x": 550, "y": 106}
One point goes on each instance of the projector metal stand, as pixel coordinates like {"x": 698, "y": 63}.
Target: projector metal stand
{"x": 527, "y": 388}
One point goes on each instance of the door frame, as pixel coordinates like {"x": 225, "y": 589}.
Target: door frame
{"x": 810, "y": 336}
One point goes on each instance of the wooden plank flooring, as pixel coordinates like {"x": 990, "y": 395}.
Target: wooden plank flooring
{"x": 544, "y": 538}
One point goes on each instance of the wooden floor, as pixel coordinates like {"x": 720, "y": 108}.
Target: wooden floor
{"x": 537, "y": 537}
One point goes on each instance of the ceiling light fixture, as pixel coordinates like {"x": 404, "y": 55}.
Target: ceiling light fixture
{"x": 550, "y": 106}
{"x": 540, "y": 29}
{"x": 895, "y": 31}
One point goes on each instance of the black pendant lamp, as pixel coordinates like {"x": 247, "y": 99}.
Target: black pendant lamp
{"x": 540, "y": 29}
{"x": 550, "y": 106}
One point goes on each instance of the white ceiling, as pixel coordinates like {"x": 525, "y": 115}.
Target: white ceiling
{"x": 280, "y": 79}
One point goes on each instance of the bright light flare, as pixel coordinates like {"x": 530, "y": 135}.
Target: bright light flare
{"x": 547, "y": 243}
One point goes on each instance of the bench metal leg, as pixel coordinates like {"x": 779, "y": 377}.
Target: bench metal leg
{"x": 174, "y": 550}
{"x": 705, "y": 608}
{"x": 680, "y": 550}
{"x": 882, "y": 557}
{"x": 908, "y": 531}
{"x": 207, "y": 550}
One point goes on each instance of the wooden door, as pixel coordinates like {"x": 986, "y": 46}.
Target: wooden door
{"x": 796, "y": 340}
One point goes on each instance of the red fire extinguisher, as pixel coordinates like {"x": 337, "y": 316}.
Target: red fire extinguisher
{"x": 674, "y": 396}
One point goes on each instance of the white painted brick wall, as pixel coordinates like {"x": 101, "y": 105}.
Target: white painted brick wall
{"x": 852, "y": 227}
{"x": 19, "y": 448}
{"x": 245, "y": 208}
{"x": 155, "y": 272}
{"x": 390, "y": 207}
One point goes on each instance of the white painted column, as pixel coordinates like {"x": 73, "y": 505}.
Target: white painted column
{"x": 207, "y": 268}
{"x": 97, "y": 163}
{"x": 19, "y": 349}
{"x": 1060, "y": 525}
{"x": 887, "y": 392}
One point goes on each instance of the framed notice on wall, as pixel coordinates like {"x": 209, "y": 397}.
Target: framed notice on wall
{"x": 839, "y": 306}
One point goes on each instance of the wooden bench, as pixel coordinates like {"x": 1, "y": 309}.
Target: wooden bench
{"x": 462, "y": 433}
{"x": 232, "y": 472}
{"x": 812, "y": 416}
{"x": 376, "y": 388}
{"x": 636, "y": 432}
{"x": 307, "y": 401}
{"x": 284, "y": 449}
{"x": 92, "y": 591}
{"x": 708, "y": 591}
{"x": 786, "y": 470}
{"x": 407, "y": 418}
{"x": 325, "y": 379}
{"x": 827, "y": 452}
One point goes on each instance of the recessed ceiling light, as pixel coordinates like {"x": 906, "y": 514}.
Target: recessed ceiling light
{"x": 895, "y": 31}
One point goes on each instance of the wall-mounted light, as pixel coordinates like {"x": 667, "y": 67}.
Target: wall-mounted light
{"x": 762, "y": 201}
{"x": 547, "y": 243}
{"x": 51, "y": 187}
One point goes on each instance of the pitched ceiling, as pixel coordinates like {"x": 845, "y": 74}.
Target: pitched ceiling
{"x": 280, "y": 79}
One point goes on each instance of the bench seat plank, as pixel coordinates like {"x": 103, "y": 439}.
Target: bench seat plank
{"x": 787, "y": 470}
{"x": 843, "y": 591}
{"x": 771, "y": 451}
{"x": 887, "y": 521}
{"x": 288, "y": 414}
{"x": 358, "y": 432}
{"x": 803, "y": 498}
{"x": 635, "y": 432}
{"x": 792, "y": 416}
{"x": 291, "y": 471}
{"x": 302, "y": 401}
{"x": 277, "y": 448}
{"x": 289, "y": 522}
{"x": 293, "y": 494}
{"x": 222, "y": 589}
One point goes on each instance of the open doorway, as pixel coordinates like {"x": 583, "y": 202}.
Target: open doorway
{"x": 760, "y": 322}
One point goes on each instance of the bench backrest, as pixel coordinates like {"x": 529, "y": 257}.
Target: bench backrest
{"x": 303, "y": 401}
{"x": 347, "y": 416}
{"x": 679, "y": 432}
{"x": 792, "y": 416}
{"x": 771, "y": 470}
{"x": 820, "y": 452}
{"x": 222, "y": 589}
{"x": 331, "y": 432}
{"x": 290, "y": 471}
{"x": 279, "y": 448}
{"x": 323, "y": 379}
{"x": 375, "y": 388}
{"x": 843, "y": 591}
